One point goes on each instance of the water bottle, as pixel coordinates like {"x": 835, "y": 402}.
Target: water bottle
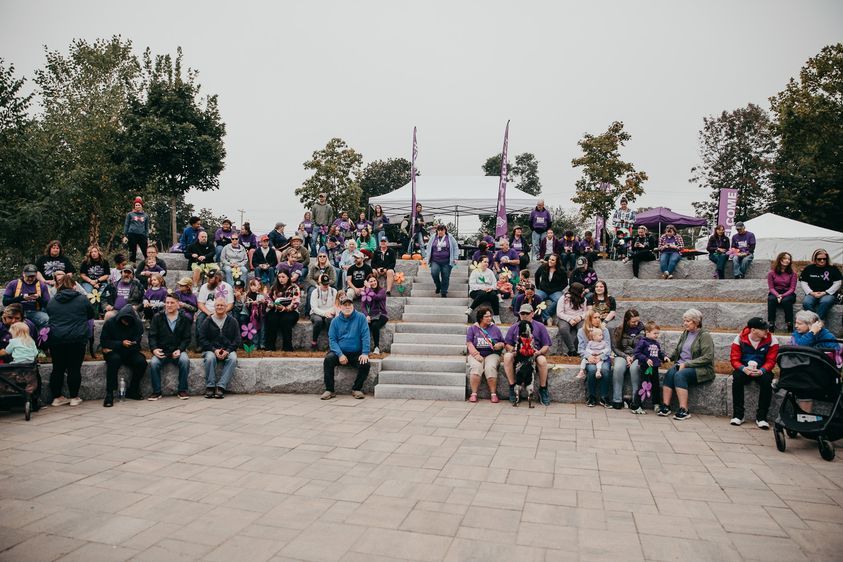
{"x": 121, "y": 388}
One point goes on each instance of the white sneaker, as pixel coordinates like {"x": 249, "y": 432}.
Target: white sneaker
{"x": 75, "y": 401}
{"x": 762, "y": 424}
{"x": 376, "y": 351}
{"x": 60, "y": 401}
{"x": 496, "y": 319}
{"x": 468, "y": 311}
{"x": 737, "y": 421}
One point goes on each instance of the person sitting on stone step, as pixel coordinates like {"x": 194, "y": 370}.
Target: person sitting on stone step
{"x": 120, "y": 340}
{"x": 693, "y": 363}
{"x": 820, "y": 281}
{"x": 743, "y": 250}
{"x": 781, "y": 283}
{"x": 348, "y": 339}
{"x": 753, "y": 356}
{"x": 542, "y": 343}
{"x": 484, "y": 342}
{"x": 383, "y": 263}
{"x": 219, "y": 338}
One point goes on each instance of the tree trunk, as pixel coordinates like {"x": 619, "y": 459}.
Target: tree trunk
{"x": 173, "y": 203}
{"x": 94, "y": 228}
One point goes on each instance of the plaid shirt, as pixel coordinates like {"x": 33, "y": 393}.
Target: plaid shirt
{"x": 624, "y": 219}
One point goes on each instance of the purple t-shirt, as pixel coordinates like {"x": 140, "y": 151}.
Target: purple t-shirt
{"x": 481, "y": 341}
{"x": 441, "y": 249}
{"x": 155, "y": 297}
{"x": 517, "y": 244}
{"x": 745, "y": 243}
{"x": 540, "y": 336}
{"x": 685, "y": 352}
{"x": 670, "y": 240}
{"x": 123, "y": 290}
{"x": 308, "y": 226}
{"x": 296, "y": 267}
{"x": 513, "y": 264}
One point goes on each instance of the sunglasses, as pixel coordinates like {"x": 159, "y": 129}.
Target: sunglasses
{"x": 822, "y": 259}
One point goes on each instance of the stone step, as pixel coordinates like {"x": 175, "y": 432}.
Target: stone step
{"x": 431, "y": 339}
{"x": 444, "y": 307}
{"x": 427, "y": 349}
{"x": 746, "y": 290}
{"x": 686, "y": 269}
{"x": 461, "y": 288}
{"x": 173, "y": 261}
{"x": 422, "y": 378}
{"x": 420, "y": 392}
{"x": 436, "y": 301}
{"x": 424, "y": 363}
{"x": 407, "y": 327}
{"x": 437, "y": 318}
{"x": 431, "y": 293}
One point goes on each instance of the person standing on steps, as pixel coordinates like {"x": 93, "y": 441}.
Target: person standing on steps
{"x": 442, "y": 257}
{"x": 743, "y": 248}
{"x": 540, "y": 221}
{"x": 136, "y": 230}
{"x": 541, "y": 341}
{"x": 348, "y": 339}
{"x": 323, "y": 217}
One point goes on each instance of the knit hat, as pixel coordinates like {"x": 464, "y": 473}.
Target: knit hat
{"x": 757, "y": 323}
{"x": 138, "y": 200}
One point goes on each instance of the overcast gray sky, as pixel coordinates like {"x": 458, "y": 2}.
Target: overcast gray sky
{"x": 291, "y": 75}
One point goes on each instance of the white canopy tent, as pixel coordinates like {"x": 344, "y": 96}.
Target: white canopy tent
{"x": 454, "y": 195}
{"x": 775, "y": 234}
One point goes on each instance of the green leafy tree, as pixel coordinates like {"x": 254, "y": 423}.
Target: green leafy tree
{"x": 210, "y": 221}
{"x": 84, "y": 95}
{"x": 23, "y": 221}
{"x": 172, "y": 141}
{"x": 384, "y": 176}
{"x": 736, "y": 151}
{"x": 159, "y": 208}
{"x": 605, "y": 176}
{"x": 807, "y": 174}
{"x": 336, "y": 172}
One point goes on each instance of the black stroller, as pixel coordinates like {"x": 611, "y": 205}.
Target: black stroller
{"x": 20, "y": 385}
{"x": 809, "y": 374}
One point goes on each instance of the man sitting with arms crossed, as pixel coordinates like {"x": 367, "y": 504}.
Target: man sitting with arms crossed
{"x": 348, "y": 338}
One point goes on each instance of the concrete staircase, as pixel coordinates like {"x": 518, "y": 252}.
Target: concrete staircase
{"x": 427, "y": 357}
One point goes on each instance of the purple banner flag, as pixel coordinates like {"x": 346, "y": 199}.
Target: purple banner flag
{"x": 501, "y": 225}
{"x": 412, "y": 228}
{"x": 727, "y": 208}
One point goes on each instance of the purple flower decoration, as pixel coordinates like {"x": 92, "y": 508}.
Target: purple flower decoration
{"x": 646, "y": 387}
{"x": 43, "y": 335}
{"x": 591, "y": 277}
{"x": 367, "y": 295}
{"x": 221, "y": 293}
{"x": 248, "y": 331}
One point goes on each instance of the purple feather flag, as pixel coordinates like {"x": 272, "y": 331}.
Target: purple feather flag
{"x": 501, "y": 225}
{"x": 413, "y": 182}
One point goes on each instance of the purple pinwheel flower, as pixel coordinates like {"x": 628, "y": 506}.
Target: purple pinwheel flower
{"x": 43, "y": 335}
{"x": 646, "y": 387}
{"x": 248, "y": 331}
{"x": 221, "y": 293}
{"x": 367, "y": 295}
{"x": 591, "y": 277}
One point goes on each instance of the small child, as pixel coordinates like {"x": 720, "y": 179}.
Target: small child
{"x": 116, "y": 274}
{"x": 240, "y": 310}
{"x": 153, "y": 297}
{"x": 21, "y": 347}
{"x": 595, "y": 346}
{"x": 150, "y": 268}
{"x": 650, "y": 357}
{"x": 256, "y": 304}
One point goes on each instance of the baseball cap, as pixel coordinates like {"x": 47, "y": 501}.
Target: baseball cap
{"x": 344, "y": 298}
{"x": 757, "y": 323}
{"x": 525, "y": 309}
{"x": 128, "y": 268}
{"x": 324, "y": 279}
{"x": 185, "y": 282}
{"x": 739, "y": 224}
{"x": 30, "y": 269}
{"x": 358, "y": 254}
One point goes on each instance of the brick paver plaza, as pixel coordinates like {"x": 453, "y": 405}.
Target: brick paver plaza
{"x": 288, "y": 477}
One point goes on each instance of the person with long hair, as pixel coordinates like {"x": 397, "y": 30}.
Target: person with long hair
{"x": 94, "y": 270}
{"x": 624, "y": 339}
{"x": 365, "y": 241}
{"x": 718, "y": 250}
{"x": 551, "y": 281}
{"x": 53, "y": 260}
{"x": 641, "y": 249}
{"x": 136, "y": 230}
{"x": 482, "y": 288}
{"x": 602, "y": 303}
{"x": 670, "y": 251}
{"x": 781, "y": 282}
{"x": 598, "y": 368}
{"x": 570, "y": 314}
{"x": 379, "y": 222}
{"x": 373, "y": 305}
{"x": 283, "y": 312}
{"x": 820, "y": 281}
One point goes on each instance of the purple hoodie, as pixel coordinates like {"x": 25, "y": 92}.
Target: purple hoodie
{"x": 745, "y": 243}
{"x": 540, "y": 220}
{"x": 376, "y": 308}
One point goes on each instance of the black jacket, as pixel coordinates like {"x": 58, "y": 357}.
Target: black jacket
{"x": 550, "y": 286}
{"x": 211, "y": 338}
{"x": 69, "y": 313}
{"x": 208, "y": 250}
{"x": 135, "y": 299}
{"x": 114, "y": 331}
{"x": 167, "y": 340}
{"x": 385, "y": 260}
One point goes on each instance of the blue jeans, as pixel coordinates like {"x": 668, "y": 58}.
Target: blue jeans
{"x": 266, "y": 276}
{"x": 38, "y": 317}
{"x": 535, "y": 239}
{"x": 550, "y": 311}
{"x": 620, "y": 369}
{"x": 675, "y": 378}
{"x": 229, "y": 278}
{"x": 228, "y": 367}
{"x": 378, "y": 235}
{"x": 441, "y": 273}
{"x": 668, "y": 261}
{"x": 605, "y": 382}
{"x": 740, "y": 265}
{"x": 567, "y": 261}
{"x": 719, "y": 261}
{"x": 819, "y": 305}
{"x": 155, "y": 365}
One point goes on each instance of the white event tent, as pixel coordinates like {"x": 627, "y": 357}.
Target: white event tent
{"x": 775, "y": 234}
{"x": 454, "y": 195}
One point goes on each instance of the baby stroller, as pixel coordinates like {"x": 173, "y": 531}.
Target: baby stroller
{"x": 20, "y": 385}
{"x": 808, "y": 373}
{"x": 525, "y": 364}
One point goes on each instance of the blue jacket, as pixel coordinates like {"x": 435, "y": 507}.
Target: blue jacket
{"x": 453, "y": 246}
{"x": 809, "y": 339}
{"x": 349, "y": 335}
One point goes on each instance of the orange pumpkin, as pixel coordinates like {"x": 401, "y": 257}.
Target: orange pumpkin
{"x": 417, "y": 257}
{"x": 405, "y": 257}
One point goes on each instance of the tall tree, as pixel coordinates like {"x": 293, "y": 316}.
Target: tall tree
{"x": 172, "y": 141}
{"x": 605, "y": 177}
{"x": 524, "y": 174}
{"x": 808, "y": 169}
{"x": 384, "y": 176}
{"x": 736, "y": 151}
{"x": 336, "y": 172}
{"x": 84, "y": 96}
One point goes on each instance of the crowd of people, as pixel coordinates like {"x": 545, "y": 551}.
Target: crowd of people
{"x": 247, "y": 291}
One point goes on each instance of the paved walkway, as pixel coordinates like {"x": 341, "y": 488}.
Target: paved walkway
{"x": 288, "y": 477}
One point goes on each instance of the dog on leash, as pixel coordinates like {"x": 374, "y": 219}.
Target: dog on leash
{"x": 525, "y": 363}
